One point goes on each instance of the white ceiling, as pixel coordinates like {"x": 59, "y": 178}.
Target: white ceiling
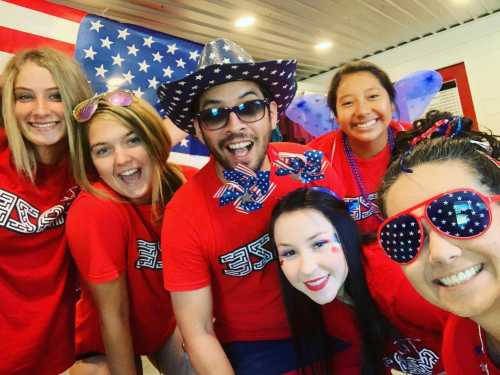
{"x": 290, "y": 28}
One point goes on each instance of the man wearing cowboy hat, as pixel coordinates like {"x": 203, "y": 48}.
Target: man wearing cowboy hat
{"x": 217, "y": 254}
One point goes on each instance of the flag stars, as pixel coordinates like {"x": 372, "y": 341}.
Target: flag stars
{"x": 106, "y": 43}
{"x": 171, "y": 48}
{"x": 143, "y": 66}
{"x": 193, "y": 55}
{"x": 167, "y": 72}
{"x": 123, "y": 34}
{"x": 153, "y": 83}
{"x": 132, "y": 50}
{"x": 89, "y": 53}
{"x": 180, "y": 63}
{"x": 117, "y": 59}
{"x": 157, "y": 56}
{"x": 148, "y": 42}
{"x": 199, "y": 77}
{"x": 128, "y": 77}
{"x": 96, "y": 25}
{"x": 138, "y": 92}
{"x": 100, "y": 71}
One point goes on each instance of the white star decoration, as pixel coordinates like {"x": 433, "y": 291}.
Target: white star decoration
{"x": 143, "y": 66}
{"x": 123, "y": 34}
{"x": 157, "y": 56}
{"x": 148, "y": 42}
{"x": 89, "y": 53}
{"x": 167, "y": 72}
{"x": 171, "y": 48}
{"x": 185, "y": 142}
{"x": 100, "y": 71}
{"x": 128, "y": 77}
{"x": 106, "y": 43}
{"x": 138, "y": 92}
{"x": 132, "y": 50}
{"x": 96, "y": 25}
{"x": 180, "y": 63}
{"x": 193, "y": 55}
{"x": 117, "y": 59}
{"x": 153, "y": 83}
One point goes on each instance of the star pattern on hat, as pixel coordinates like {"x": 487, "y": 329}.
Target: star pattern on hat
{"x": 245, "y": 188}
{"x": 306, "y": 167}
{"x": 223, "y": 61}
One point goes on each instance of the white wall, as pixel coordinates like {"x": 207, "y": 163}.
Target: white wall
{"x": 477, "y": 44}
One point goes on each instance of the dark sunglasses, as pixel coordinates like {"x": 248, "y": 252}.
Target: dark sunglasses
{"x": 84, "y": 111}
{"x": 459, "y": 214}
{"x": 217, "y": 118}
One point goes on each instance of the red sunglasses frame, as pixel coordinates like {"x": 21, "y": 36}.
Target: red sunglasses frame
{"x": 487, "y": 199}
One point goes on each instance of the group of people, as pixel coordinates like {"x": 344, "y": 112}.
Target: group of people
{"x": 372, "y": 250}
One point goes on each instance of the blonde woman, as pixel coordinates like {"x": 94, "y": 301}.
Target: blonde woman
{"x": 114, "y": 234}
{"x": 37, "y": 292}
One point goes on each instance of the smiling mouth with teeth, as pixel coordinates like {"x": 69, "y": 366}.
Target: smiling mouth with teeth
{"x": 460, "y": 277}
{"x": 240, "y": 147}
{"x": 130, "y": 174}
{"x": 44, "y": 125}
{"x": 366, "y": 124}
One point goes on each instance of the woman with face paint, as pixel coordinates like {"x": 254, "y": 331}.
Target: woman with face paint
{"x": 37, "y": 288}
{"x": 443, "y": 228}
{"x": 330, "y": 311}
{"x": 113, "y": 231}
{"x": 362, "y": 98}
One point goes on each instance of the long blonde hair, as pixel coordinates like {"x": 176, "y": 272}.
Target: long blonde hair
{"x": 143, "y": 119}
{"x": 73, "y": 88}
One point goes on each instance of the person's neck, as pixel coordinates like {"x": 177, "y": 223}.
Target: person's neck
{"x": 490, "y": 324}
{"x": 366, "y": 150}
{"x": 50, "y": 155}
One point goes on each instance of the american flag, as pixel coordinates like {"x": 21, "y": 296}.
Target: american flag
{"x": 112, "y": 54}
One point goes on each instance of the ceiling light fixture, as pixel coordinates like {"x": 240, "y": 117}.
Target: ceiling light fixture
{"x": 244, "y": 22}
{"x": 323, "y": 45}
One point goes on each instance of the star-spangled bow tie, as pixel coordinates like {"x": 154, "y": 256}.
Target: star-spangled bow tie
{"x": 245, "y": 188}
{"x": 307, "y": 167}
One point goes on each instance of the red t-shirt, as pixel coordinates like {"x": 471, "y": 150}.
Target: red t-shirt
{"x": 420, "y": 323}
{"x": 37, "y": 288}
{"x": 108, "y": 238}
{"x": 462, "y": 349}
{"x": 372, "y": 171}
{"x": 206, "y": 244}
{"x": 340, "y": 324}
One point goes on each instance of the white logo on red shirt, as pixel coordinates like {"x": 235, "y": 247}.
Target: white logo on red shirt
{"x": 18, "y": 215}
{"x": 410, "y": 360}
{"x": 359, "y": 208}
{"x": 249, "y": 258}
{"x": 149, "y": 255}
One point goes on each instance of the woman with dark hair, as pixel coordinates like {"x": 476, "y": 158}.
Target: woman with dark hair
{"x": 362, "y": 98}
{"x": 441, "y": 196}
{"x": 330, "y": 311}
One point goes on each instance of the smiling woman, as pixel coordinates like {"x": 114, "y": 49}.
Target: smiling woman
{"x": 37, "y": 289}
{"x": 442, "y": 198}
{"x": 121, "y": 162}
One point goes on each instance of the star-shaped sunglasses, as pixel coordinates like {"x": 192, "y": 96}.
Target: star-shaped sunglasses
{"x": 459, "y": 214}
{"x": 84, "y": 111}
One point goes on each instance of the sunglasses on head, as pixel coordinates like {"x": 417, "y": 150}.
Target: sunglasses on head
{"x": 84, "y": 111}
{"x": 217, "y": 118}
{"x": 459, "y": 214}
